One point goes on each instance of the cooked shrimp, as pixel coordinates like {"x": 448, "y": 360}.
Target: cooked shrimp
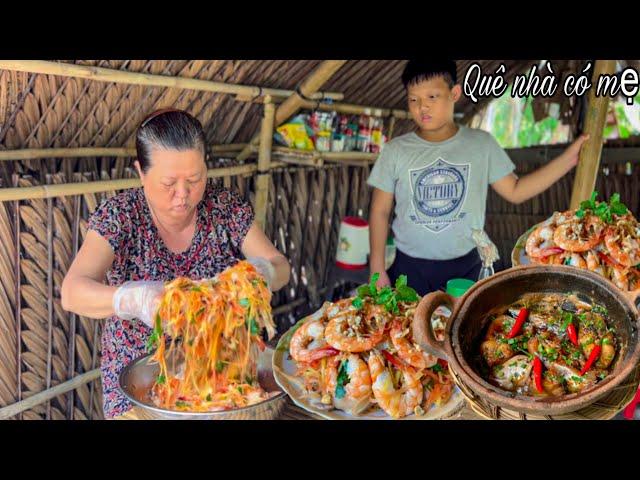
{"x": 593, "y": 263}
{"x": 357, "y": 330}
{"x": 619, "y": 276}
{"x": 623, "y": 243}
{"x": 397, "y": 402}
{"x": 579, "y": 235}
{"x": 308, "y": 342}
{"x": 575, "y": 260}
{"x": 407, "y": 350}
{"x": 540, "y": 243}
{"x": 351, "y": 334}
{"x": 357, "y": 391}
{"x": 554, "y": 259}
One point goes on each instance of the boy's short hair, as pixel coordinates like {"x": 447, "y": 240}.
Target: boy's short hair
{"x": 420, "y": 70}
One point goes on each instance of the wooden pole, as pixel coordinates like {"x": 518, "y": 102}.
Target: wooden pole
{"x": 392, "y": 125}
{"x": 41, "y": 397}
{"x": 589, "y": 163}
{"x": 134, "y": 78}
{"x": 291, "y": 105}
{"x": 348, "y": 108}
{"x": 264, "y": 163}
{"x": 34, "y": 153}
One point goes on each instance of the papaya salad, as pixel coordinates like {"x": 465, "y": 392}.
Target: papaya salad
{"x": 599, "y": 236}
{"x": 358, "y": 355}
{"x": 207, "y": 335}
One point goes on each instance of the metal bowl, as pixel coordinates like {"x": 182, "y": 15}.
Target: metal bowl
{"x": 137, "y": 379}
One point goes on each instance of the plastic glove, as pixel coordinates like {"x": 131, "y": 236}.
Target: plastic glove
{"x": 264, "y": 268}
{"x": 139, "y": 300}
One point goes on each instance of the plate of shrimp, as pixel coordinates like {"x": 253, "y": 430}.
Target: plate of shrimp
{"x": 598, "y": 236}
{"x": 359, "y": 362}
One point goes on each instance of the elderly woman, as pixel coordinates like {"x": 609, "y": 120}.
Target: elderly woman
{"x": 175, "y": 225}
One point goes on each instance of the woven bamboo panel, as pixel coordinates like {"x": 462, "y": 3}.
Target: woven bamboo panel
{"x": 54, "y": 344}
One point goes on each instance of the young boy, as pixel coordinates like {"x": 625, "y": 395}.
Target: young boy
{"x": 438, "y": 177}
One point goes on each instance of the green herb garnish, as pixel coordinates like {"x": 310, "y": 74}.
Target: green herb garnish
{"x": 437, "y": 368}
{"x": 387, "y": 296}
{"x": 603, "y": 210}
{"x": 161, "y": 380}
{"x": 156, "y": 334}
{"x": 253, "y": 326}
{"x": 343, "y": 379}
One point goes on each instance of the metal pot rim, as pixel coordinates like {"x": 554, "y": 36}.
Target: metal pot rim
{"x": 183, "y": 413}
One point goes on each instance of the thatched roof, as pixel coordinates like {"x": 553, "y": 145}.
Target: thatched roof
{"x": 40, "y": 111}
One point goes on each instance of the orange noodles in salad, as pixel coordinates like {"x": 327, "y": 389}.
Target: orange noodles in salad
{"x": 208, "y": 346}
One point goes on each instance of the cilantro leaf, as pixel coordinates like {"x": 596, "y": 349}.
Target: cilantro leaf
{"x": 357, "y": 302}
{"x": 372, "y": 284}
{"x": 161, "y": 380}
{"x": 401, "y": 281}
{"x": 406, "y": 294}
{"x": 253, "y": 326}
{"x": 343, "y": 379}
{"x": 363, "y": 291}
{"x": 244, "y": 302}
{"x": 384, "y": 295}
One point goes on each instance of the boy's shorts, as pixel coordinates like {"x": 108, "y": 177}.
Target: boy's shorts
{"x": 427, "y": 276}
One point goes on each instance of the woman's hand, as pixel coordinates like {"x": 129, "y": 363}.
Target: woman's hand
{"x": 264, "y": 268}
{"x": 264, "y": 256}
{"x": 139, "y": 300}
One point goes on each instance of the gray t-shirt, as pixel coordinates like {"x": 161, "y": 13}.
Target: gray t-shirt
{"x": 440, "y": 189}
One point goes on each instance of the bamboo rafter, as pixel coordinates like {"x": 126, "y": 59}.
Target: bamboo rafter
{"x": 132, "y": 78}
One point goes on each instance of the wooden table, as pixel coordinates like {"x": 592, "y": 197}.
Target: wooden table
{"x": 293, "y": 412}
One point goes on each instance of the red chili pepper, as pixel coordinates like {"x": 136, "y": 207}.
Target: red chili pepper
{"x": 537, "y": 373}
{"x": 392, "y": 358}
{"x": 595, "y": 353}
{"x": 522, "y": 316}
{"x": 443, "y": 363}
{"x": 607, "y": 259}
{"x": 322, "y": 352}
{"x": 573, "y": 336}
